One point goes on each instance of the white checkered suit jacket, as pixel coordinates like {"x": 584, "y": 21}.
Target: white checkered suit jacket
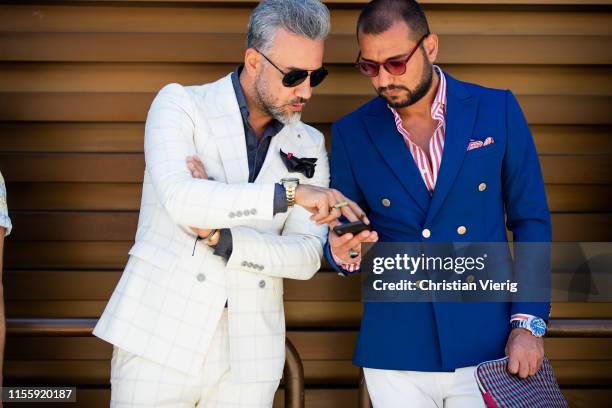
{"x": 168, "y": 301}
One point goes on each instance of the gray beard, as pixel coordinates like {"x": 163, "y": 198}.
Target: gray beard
{"x": 263, "y": 100}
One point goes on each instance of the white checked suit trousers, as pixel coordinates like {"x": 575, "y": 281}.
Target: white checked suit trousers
{"x": 139, "y": 383}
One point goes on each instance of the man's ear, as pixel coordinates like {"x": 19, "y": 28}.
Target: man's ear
{"x": 252, "y": 61}
{"x": 431, "y": 47}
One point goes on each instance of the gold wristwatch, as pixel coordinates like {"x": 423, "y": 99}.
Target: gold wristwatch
{"x": 290, "y": 185}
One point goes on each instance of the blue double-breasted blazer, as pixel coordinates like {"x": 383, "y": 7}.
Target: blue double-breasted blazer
{"x": 371, "y": 164}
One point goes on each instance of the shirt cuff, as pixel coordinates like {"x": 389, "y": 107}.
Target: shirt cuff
{"x": 5, "y": 222}
{"x": 280, "y": 199}
{"x": 225, "y": 245}
{"x": 349, "y": 267}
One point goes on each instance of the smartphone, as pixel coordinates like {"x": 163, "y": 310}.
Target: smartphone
{"x": 352, "y": 227}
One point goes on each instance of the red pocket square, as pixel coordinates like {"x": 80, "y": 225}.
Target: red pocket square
{"x": 476, "y": 144}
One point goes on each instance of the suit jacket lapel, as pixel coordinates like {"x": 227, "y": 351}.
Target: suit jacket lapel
{"x": 223, "y": 115}
{"x": 461, "y": 112}
{"x": 390, "y": 143}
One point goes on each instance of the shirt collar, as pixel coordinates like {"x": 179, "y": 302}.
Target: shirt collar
{"x": 438, "y": 107}
{"x": 242, "y": 103}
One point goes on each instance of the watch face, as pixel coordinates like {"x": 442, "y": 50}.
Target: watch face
{"x": 290, "y": 181}
{"x": 538, "y": 327}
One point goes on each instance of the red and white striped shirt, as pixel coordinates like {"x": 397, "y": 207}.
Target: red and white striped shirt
{"x": 428, "y": 166}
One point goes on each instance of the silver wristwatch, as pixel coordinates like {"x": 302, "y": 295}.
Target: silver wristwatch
{"x": 536, "y": 325}
{"x": 290, "y": 185}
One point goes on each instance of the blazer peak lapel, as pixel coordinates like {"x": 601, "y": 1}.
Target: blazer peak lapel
{"x": 227, "y": 129}
{"x": 392, "y": 147}
{"x": 460, "y": 120}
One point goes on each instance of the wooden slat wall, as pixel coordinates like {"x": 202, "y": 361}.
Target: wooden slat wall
{"x": 76, "y": 81}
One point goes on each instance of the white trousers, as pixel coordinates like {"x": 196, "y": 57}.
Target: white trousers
{"x": 138, "y": 382}
{"x": 418, "y": 389}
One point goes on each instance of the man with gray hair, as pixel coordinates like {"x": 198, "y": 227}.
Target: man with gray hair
{"x": 234, "y": 199}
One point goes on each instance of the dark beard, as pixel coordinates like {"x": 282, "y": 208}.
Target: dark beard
{"x": 413, "y": 95}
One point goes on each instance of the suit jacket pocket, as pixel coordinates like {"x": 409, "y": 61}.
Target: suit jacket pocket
{"x": 154, "y": 254}
{"x": 482, "y": 151}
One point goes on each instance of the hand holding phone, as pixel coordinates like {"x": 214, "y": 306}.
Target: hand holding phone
{"x": 346, "y": 239}
{"x": 351, "y": 227}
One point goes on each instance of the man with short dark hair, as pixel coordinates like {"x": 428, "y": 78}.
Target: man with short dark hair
{"x": 434, "y": 159}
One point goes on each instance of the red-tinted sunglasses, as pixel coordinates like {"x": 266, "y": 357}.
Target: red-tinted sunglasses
{"x": 394, "y": 66}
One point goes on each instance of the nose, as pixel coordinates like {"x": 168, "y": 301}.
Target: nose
{"x": 384, "y": 78}
{"x": 304, "y": 90}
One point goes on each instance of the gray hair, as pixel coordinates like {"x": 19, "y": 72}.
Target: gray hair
{"x": 307, "y": 18}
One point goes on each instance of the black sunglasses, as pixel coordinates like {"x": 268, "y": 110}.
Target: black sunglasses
{"x": 395, "y": 66}
{"x": 297, "y": 76}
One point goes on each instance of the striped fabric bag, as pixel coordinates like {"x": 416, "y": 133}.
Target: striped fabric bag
{"x": 500, "y": 389}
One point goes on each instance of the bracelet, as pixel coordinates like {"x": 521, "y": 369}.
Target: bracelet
{"x": 215, "y": 237}
{"x": 206, "y": 239}
{"x": 210, "y": 235}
